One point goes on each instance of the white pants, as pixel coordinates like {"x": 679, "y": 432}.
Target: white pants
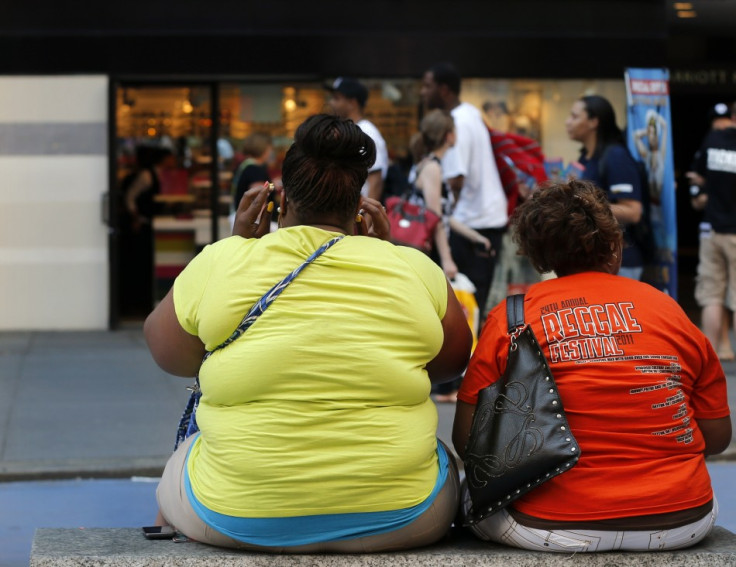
{"x": 502, "y": 528}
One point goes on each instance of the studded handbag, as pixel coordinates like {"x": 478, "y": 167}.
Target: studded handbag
{"x": 520, "y": 437}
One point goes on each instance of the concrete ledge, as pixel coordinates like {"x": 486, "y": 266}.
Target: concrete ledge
{"x": 126, "y": 547}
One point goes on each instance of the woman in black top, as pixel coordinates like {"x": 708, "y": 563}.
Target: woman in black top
{"x": 610, "y": 166}
{"x": 253, "y": 171}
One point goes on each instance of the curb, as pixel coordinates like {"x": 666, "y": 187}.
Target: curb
{"x": 81, "y": 468}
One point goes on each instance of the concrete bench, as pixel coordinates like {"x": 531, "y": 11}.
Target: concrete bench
{"x": 126, "y": 547}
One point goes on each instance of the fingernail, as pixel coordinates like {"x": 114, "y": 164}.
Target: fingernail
{"x": 266, "y": 184}
{"x": 359, "y": 218}
{"x": 269, "y": 207}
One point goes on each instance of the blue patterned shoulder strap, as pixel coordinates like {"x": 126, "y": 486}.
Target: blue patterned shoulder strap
{"x": 188, "y": 422}
{"x": 268, "y": 298}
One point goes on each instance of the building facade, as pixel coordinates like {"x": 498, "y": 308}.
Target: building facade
{"x": 82, "y": 87}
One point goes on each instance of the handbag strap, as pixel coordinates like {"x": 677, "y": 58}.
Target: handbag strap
{"x": 515, "y": 312}
{"x": 268, "y": 298}
{"x": 414, "y": 193}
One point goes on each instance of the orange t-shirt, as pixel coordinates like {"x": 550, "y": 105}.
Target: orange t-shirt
{"x": 634, "y": 374}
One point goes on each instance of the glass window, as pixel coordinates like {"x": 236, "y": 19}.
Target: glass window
{"x": 164, "y": 176}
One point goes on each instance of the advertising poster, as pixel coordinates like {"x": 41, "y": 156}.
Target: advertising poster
{"x": 649, "y": 137}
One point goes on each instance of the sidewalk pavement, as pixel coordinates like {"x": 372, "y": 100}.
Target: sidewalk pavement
{"x": 95, "y": 405}
{"x": 84, "y": 404}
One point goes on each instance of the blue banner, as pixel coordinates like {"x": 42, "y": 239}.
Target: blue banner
{"x": 649, "y": 137}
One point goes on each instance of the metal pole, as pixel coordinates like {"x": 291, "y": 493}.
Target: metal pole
{"x": 113, "y": 216}
{"x": 215, "y": 165}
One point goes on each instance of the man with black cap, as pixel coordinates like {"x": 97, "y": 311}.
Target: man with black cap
{"x": 714, "y": 188}
{"x": 348, "y": 101}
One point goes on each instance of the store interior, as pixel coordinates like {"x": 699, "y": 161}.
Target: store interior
{"x": 198, "y": 184}
{"x": 180, "y": 118}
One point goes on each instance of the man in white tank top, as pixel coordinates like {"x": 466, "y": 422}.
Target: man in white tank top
{"x": 470, "y": 169}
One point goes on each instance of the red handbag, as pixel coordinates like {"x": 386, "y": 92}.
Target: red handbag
{"x": 411, "y": 224}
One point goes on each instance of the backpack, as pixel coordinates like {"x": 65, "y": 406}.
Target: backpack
{"x": 519, "y": 160}
{"x": 641, "y": 233}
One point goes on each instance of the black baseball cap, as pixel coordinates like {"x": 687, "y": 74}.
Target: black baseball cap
{"x": 719, "y": 110}
{"x": 349, "y": 88}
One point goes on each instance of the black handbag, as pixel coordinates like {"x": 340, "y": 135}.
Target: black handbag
{"x": 519, "y": 437}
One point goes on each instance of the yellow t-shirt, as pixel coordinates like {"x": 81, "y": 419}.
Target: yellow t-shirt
{"x": 323, "y": 405}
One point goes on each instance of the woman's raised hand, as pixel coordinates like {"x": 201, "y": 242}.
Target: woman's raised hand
{"x": 374, "y": 221}
{"x": 253, "y": 217}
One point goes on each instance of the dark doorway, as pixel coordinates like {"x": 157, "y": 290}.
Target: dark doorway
{"x": 163, "y": 171}
{"x": 689, "y": 126}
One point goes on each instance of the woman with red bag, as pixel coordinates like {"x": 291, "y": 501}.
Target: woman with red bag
{"x": 436, "y": 135}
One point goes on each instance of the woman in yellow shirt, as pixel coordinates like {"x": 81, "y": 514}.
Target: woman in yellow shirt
{"x": 317, "y": 432}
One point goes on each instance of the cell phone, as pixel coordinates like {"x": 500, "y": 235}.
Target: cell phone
{"x": 159, "y": 532}
{"x": 480, "y": 250}
{"x": 271, "y": 197}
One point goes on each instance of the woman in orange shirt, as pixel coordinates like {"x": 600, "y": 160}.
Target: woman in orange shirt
{"x": 643, "y": 390}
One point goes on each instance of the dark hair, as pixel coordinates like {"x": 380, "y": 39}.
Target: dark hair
{"x": 607, "y": 132}
{"x": 326, "y": 166}
{"x": 446, "y": 74}
{"x": 148, "y": 156}
{"x": 567, "y": 228}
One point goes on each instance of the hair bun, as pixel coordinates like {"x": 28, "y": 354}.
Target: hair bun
{"x": 328, "y": 138}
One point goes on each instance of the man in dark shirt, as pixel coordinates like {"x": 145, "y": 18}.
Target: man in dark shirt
{"x": 715, "y": 171}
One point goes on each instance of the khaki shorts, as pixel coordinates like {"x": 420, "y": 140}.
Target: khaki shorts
{"x": 428, "y": 528}
{"x": 716, "y": 280}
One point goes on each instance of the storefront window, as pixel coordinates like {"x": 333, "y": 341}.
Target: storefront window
{"x": 538, "y": 108}
{"x": 163, "y": 162}
{"x": 278, "y": 109}
{"x": 179, "y": 119}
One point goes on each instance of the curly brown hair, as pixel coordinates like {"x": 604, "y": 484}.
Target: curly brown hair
{"x": 568, "y": 228}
